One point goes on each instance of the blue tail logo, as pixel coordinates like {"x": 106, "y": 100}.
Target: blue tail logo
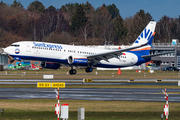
{"x": 145, "y": 34}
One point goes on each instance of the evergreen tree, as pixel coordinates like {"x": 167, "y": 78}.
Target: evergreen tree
{"x": 113, "y": 10}
{"x": 51, "y": 9}
{"x": 36, "y": 5}
{"x": 17, "y": 4}
{"x": 138, "y": 23}
{"x": 119, "y": 28}
{"x": 79, "y": 19}
{"x": 145, "y": 18}
{"x": 70, "y": 8}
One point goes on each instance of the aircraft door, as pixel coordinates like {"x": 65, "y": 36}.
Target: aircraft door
{"x": 132, "y": 60}
{"x": 28, "y": 48}
{"x": 37, "y": 51}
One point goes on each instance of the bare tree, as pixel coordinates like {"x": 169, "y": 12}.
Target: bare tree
{"x": 85, "y": 30}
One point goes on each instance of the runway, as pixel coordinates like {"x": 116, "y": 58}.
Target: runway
{"x": 120, "y": 94}
{"x": 81, "y": 80}
{"x": 80, "y": 83}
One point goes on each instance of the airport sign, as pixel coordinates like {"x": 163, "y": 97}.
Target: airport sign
{"x": 50, "y": 85}
{"x": 43, "y": 85}
{"x": 58, "y": 85}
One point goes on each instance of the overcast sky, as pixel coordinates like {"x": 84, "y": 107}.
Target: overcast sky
{"x": 157, "y": 8}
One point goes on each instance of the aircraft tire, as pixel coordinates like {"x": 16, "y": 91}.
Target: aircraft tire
{"x": 89, "y": 69}
{"x": 72, "y": 72}
{"x": 19, "y": 64}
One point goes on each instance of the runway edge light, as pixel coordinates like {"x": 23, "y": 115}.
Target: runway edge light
{"x": 81, "y": 113}
{"x": 178, "y": 83}
{"x": 87, "y": 80}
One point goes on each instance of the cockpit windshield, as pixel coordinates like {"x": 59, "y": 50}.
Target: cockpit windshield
{"x": 15, "y": 45}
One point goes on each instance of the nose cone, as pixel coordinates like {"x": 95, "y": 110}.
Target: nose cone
{"x": 6, "y": 50}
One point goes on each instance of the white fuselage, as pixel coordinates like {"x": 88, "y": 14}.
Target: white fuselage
{"x": 51, "y": 52}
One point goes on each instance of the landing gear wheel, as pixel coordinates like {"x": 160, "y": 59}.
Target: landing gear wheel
{"x": 19, "y": 64}
{"x": 89, "y": 69}
{"x": 72, "y": 72}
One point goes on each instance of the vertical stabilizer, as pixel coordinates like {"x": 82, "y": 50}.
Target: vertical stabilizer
{"x": 146, "y": 34}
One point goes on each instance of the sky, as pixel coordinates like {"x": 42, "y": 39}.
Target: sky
{"x": 127, "y": 8}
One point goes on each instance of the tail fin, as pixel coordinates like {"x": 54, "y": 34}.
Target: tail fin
{"x": 151, "y": 39}
{"x": 146, "y": 34}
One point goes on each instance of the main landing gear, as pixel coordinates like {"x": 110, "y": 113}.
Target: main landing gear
{"x": 89, "y": 69}
{"x": 72, "y": 72}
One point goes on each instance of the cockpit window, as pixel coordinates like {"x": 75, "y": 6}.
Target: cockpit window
{"x": 15, "y": 45}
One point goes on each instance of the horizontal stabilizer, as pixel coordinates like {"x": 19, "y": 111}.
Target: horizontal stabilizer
{"x": 149, "y": 56}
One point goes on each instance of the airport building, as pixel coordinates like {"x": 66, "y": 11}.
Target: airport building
{"x": 171, "y": 59}
{"x": 3, "y": 61}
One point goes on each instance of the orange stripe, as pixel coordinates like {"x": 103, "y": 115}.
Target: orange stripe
{"x": 80, "y": 58}
{"x": 147, "y": 48}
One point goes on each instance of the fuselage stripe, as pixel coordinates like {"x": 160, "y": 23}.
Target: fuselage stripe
{"x": 147, "y": 48}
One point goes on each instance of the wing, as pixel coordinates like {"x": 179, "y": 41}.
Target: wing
{"x": 111, "y": 54}
{"x": 115, "y": 54}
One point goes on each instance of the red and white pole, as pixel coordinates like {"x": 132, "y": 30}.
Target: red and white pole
{"x": 57, "y": 110}
{"x": 57, "y": 106}
{"x": 166, "y": 107}
{"x": 58, "y": 103}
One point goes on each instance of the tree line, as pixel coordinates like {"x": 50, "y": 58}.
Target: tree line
{"x": 80, "y": 24}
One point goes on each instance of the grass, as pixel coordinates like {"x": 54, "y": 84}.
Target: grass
{"x": 43, "y": 109}
{"x": 38, "y": 109}
{"x": 108, "y": 74}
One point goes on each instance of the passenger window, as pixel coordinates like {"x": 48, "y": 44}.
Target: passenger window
{"x": 15, "y": 45}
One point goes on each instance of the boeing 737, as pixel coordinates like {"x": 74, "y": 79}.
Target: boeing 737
{"x": 53, "y": 55}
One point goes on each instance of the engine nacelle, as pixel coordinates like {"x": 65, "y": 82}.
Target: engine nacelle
{"x": 77, "y": 60}
{"x": 50, "y": 65}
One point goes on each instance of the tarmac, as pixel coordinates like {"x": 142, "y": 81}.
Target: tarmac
{"x": 119, "y": 94}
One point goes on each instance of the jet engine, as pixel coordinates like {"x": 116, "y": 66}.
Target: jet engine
{"x": 50, "y": 65}
{"x": 77, "y": 60}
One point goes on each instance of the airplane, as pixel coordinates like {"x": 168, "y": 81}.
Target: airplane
{"x": 54, "y": 55}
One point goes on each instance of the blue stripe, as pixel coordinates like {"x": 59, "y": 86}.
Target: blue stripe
{"x": 41, "y": 59}
{"x": 140, "y": 52}
{"x": 141, "y": 60}
{"x": 64, "y": 61}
